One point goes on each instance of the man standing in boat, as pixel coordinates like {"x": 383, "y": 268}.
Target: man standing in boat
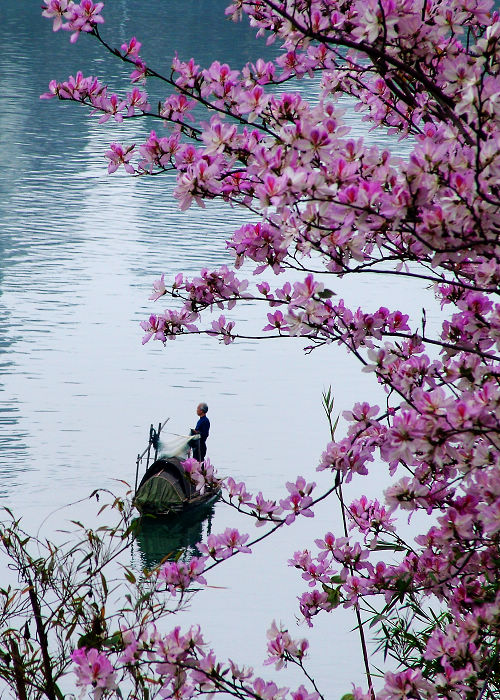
{"x": 203, "y": 429}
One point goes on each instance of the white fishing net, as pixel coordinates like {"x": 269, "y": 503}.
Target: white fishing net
{"x": 175, "y": 446}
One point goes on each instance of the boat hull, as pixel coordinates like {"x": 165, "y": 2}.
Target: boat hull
{"x": 177, "y": 508}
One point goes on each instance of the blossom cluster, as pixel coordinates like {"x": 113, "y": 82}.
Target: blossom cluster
{"x": 202, "y": 474}
{"x": 282, "y": 648}
{"x": 183, "y": 665}
{"x": 72, "y": 16}
{"x": 298, "y": 501}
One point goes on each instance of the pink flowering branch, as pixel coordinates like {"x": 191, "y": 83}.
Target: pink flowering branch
{"x": 329, "y": 205}
{"x": 378, "y": 56}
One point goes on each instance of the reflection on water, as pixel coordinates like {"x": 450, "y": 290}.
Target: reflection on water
{"x": 173, "y": 538}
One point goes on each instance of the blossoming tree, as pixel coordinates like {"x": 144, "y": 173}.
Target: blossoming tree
{"x": 325, "y": 205}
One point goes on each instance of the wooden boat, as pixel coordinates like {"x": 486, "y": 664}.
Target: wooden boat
{"x": 166, "y": 489}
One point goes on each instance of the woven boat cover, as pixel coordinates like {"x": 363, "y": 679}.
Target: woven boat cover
{"x": 157, "y": 494}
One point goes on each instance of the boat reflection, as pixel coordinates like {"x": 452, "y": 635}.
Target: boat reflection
{"x": 174, "y": 537}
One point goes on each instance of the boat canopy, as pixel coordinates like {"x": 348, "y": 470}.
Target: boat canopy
{"x": 164, "y": 484}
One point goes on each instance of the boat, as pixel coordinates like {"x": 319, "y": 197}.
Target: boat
{"x": 166, "y": 488}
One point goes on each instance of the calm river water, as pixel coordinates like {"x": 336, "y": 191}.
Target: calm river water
{"x": 79, "y": 251}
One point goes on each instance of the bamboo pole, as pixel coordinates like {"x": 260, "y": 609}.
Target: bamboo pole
{"x": 137, "y": 472}
{"x": 148, "y": 450}
{"x": 158, "y": 441}
{"x": 149, "y": 444}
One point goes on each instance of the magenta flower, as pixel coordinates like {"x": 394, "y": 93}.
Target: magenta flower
{"x": 117, "y": 156}
{"x": 159, "y": 288}
{"x": 299, "y": 499}
{"x": 180, "y": 575}
{"x": 202, "y": 474}
{"x": 139, "y": 74}
{"x": 264, "y": 509}
{"x": 403, "y": 685}
{"x": 234, "y": 541}
{"x": 132, "y": 48}
{"x": 312, "y": 603}
{"x": 268, "y": 690}
{"x": 281, "y": 648}
{"x": 154, "y": 327}
{"x": 276, "y": 321}
{"x": 302, "y": 694}
{"x": 225, "y": 545}
{"x": 137, "y": 100}
{"x": 224, "y": 329}
{"x": 83, "y": 18}
{"x": 370, "y": 516}
{"x": 237, "y": 490}
{"x": 93, "y": 668}
{"x": 327, "y": 205}
{"x": 57, "y": 10}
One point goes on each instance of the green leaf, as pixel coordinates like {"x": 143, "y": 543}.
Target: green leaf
{"x": 334, "y": 596}
{"x": 347, "y": 696}
{"x": 336, "y": 422}
{"x": 131, "y": 529}
{"x": 91, "y": 640}
{"x": 114, "y": 642}
{"x": 130, "y": 576}
{"x": 389, "y": 546}
{"x": 142, "y": 599}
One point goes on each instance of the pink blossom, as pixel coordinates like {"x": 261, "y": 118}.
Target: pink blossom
{"x": 406, "y": 684}
{"x": 159, "y": 288}
{"x": 118, "y": 155}
{"x": 224, "y": 329}
{"x": 137, "y": 99}
{"x": 132, "y": 48}
{"x": 281, "y": 647}
{"x": 312, "y": 603}
{"x": 154, "y": 327}
{"x": 83, "y": 17}
{"x": 179, "y": 575}
{"x": 370, "y": 516}
{"x": 202, "y": 474}
{"x": 58, "y": 10}
{"x": 237, "y": 490}
{"x": 268, "y": 690}
{"x": 302, "y": 694}
{"x": 94, "y": 668}
{"x": 264, "y": 509}
{"x": 139, "y": 74}
{"x": 276, "y": 321}
{"x": 225, "y": 545}
{"x": 299, "y": 499}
